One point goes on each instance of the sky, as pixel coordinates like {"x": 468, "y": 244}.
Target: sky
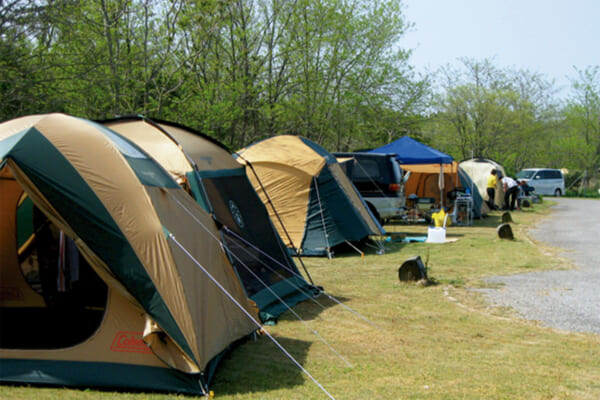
{"x": 544, "y": 36}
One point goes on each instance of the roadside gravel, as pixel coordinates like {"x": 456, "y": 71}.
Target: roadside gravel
{"x": 568, "y": 300}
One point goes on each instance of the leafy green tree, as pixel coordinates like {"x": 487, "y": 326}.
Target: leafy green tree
{"x": 111, "y": 57}
{"x": 239, "y": 70}
{"x": 349, "y": 72}
{"x": 26, "y": 83}
{"x": 581, "y": 142}
{"x": 484, "y": 111}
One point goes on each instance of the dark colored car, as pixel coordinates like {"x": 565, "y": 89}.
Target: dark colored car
{"x": 378, "y": 179}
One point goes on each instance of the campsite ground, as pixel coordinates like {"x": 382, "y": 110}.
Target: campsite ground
{"x": 398, "y": 340}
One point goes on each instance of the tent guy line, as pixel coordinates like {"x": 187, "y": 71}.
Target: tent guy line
{"x": 332, "y": 298}
{"x": 257, "y": 323}
{"x": 264, "y": 284}
{"x": 241, "y": 239}
{"x": 305, "y": 323}
{"x": 223, "y": 246}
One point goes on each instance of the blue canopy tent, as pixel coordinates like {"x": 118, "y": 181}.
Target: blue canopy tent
{"x": 431, "y": 170}
{"x": 410, "y": 151}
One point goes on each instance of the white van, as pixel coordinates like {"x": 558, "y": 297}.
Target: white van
{"x": 545, "y": 181}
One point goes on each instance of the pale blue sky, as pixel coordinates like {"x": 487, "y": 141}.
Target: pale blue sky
{"x": 545, "y": 36}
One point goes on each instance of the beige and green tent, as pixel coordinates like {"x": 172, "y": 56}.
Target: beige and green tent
{"x": 220, "y": 185}
{"x": 474, "y": 174}
{"x": 311, "y": 201}
{"x": 109, "y": 273}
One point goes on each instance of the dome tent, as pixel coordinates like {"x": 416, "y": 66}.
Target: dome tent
{"x": 172, "y": 303}
{"x": 220, "y": 185}
{"x": 305, "y": 189}
{"x": 474, "y": 174}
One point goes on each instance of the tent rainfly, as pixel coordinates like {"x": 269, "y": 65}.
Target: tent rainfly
{"x": 220, "y": 185}
{"x": 109, "y": 275}
{"x": 432, "y": 173}
{"x": 307, "y": 192}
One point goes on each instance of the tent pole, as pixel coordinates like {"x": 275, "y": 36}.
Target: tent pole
{"x": 441, "y": 185}
{"x": 322, "y": 218}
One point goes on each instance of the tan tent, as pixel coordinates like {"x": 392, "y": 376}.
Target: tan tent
{"x": 109, "y": 275}
{"x": 219, "y": 183}
{"x": 310, "y": 199}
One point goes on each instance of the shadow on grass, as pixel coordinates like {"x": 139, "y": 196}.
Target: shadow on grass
{"x": 366, "y": 247}
{"x": 311, "y": 308}
{"x": 260, "y": 366}
{"x": 494, "y": 219}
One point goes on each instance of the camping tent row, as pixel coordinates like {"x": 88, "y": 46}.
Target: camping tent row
{"x": 110, "y": 264}
{"x": 306, "y": 191}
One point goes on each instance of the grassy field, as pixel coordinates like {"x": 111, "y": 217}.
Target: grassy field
{"x": 407, "y": 340}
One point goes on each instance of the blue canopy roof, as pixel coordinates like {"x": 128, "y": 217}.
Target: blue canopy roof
{"x": 410, "y": 151}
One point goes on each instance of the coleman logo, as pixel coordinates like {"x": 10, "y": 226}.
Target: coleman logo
{"x": 129, "y": 342}
{"x": 11, "y": 294}
{"x": 236, "y": 214}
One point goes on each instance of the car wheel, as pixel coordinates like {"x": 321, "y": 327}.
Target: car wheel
{"x": 557, "y": 193}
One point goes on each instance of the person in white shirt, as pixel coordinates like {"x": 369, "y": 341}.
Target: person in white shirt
{"x": 511, "y": 191}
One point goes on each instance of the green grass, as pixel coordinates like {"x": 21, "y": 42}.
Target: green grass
{"x": 439, "y": 340}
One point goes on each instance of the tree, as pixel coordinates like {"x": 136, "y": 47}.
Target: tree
{"x": 239, "y": 70}
{"x": 582, "y": 121}
{"x": 25, "y": 81}
{"x": 484, "y": 111}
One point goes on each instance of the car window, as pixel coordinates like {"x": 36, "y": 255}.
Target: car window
{"x": 366, "y": 169}
{"x": 525, "y": 174}
{"x": 554, "y": 174}
{"x": 396, "y": 169}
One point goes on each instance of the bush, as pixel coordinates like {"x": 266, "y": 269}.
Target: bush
{"x": 592, "y": 193}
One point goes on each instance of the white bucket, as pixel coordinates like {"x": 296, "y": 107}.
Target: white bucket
{"x": 436, "y": 235}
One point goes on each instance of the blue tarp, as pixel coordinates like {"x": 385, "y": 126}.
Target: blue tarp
{"x": 410, "y": 151}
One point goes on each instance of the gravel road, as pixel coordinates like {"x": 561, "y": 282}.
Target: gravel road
{"x": 568, "y": 300}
